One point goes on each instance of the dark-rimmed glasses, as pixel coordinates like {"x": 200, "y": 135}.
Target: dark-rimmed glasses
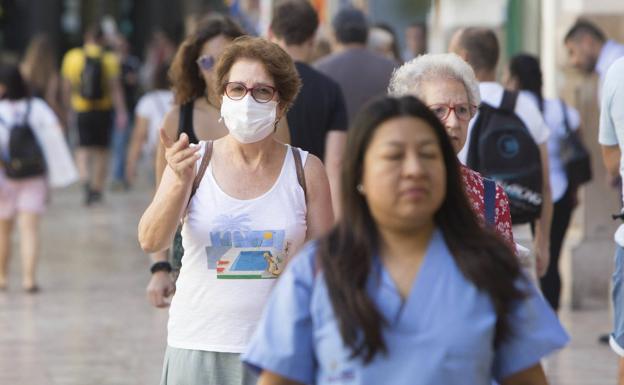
{"x": 261, "y": 93}
{"x": 463, "y": 111}
{"x": 205, "y": 62}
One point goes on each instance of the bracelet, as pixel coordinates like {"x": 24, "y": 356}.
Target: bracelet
{"x": 161, "y": 266}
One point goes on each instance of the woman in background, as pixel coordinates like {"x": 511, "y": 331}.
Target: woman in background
{"x": 524, "y": 75}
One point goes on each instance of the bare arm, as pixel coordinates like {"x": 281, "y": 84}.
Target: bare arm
{"x": 139, "y": 136}
{"x": 320, "y": 216}
{"x": 270, "y": 378}
{"x": 161, "y": 218}
{"x": 531, "y": 376}
{"x": 542, "y": 225}
{"x": 335, "y": 143}
{"x": 611, "y": 156}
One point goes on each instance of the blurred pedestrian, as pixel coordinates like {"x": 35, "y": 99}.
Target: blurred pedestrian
{"x": 415, "y": 40}
{"x": 92, "y": 78}
{"x": 408, "y": 288}
{"x": 361, "y": 74}
{"x": 448, "y": 86}
{"x": 149, "y": 114}
{"x": 33, "y": 157}
{"x": 383, "y": 40}
{"x": 611, "y": 138}
{"x": 130, "y": 67}
{"x": 39, "y": 68}
{"x": 525, "y": 75}
{"x": 479, "y": 47}
{"x": 248, "y": 202}
{"x": 317, "y": 120}
{"x": 159, "y": 51}
{"x": 589, "y": 50}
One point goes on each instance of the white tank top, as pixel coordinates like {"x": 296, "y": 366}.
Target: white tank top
{"x": 233, "y": 252}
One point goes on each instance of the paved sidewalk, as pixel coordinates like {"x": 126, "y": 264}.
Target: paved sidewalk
{"x": 91, "y": 323}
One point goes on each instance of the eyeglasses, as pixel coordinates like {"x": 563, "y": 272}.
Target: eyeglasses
{"x": 205, "y": 62}
{"x": 463, "y": 111}
{"x": 261, "y": 93}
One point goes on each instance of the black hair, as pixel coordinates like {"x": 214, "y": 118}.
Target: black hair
{"x": 160, "y": 78}
{"x": 94, "y": 31}
{"x": 350, "y": 26}
{"x": 13, "y": 81}
{"x": 346, "y": 253}
{"x": 584, "y": 27}
{"x": 481, "y": 47}
{"x": 527, "y": 72}
{"x": 295, "y": 21}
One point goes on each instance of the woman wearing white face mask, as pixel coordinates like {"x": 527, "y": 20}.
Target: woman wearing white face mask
{"x": 248, "y": 203}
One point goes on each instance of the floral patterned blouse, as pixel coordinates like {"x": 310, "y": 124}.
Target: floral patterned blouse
{"x": 475, "y": 191}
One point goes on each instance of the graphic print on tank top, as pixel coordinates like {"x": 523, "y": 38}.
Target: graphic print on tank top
{"x": 239, "y": 252}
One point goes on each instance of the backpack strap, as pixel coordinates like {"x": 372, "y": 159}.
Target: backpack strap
{"x": 489, "y": 200}
{"x": 564, "y": 111}
{"x": 300, "y": 173}
{"x": 202, "y": 168}
{"x": 509, "y": 101}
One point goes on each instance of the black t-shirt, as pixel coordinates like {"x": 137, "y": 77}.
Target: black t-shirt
{"x": 318, "y": 109}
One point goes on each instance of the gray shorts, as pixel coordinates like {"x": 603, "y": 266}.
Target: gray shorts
{"x": 197, "y": 367}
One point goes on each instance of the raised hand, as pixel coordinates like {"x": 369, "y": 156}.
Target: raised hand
{"x": 180, "y": 156}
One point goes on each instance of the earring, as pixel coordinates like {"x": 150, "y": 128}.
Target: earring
{"x": 360, "y": 188}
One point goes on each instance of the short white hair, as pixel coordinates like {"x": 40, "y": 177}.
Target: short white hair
{"x": 408, "y": 79}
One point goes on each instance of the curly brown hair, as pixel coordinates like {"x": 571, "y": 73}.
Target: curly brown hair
{"x": 276, "y": 61}
{"x": 184, "y": 74}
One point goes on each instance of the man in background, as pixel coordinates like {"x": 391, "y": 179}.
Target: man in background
{"x": 361, "y": 74}
{"x": 91, "y": 78}
{"x": 611, "y": 138}
{"x": 318, "y": 119}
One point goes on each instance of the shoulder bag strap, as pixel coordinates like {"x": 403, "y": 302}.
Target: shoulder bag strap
{"x": 300, "y": 172}
{"x": 489, "y": 200}
{"x": 509, "y": 101}
{"x": 202, "y": 169}
{"x": 566, "y": 122}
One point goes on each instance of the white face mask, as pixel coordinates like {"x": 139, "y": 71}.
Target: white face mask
{"x": 247, "y": 120}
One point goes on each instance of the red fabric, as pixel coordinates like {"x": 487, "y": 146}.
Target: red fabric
{"x": 473, "y": 182}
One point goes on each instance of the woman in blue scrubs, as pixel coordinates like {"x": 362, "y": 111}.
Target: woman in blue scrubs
{"x": 407, "y": 288}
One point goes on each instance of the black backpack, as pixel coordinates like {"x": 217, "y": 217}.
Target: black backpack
{"x": 91, "y": 78}
{"x": 502, "y": 148}
{"x": 24, "y": 157}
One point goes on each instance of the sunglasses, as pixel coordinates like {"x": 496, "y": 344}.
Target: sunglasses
{"x": 205, "y": 62}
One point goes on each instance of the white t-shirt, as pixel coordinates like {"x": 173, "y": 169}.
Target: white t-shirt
{"x": 233, "y": 252}
{"x": 153, "y": 106}
{"x": 527, "y": 111}
{"x": 61, "y": 170}
{"x": 610, "y": 52}
{"x": 611, "y": 132}
{"x": 553, "y": 116}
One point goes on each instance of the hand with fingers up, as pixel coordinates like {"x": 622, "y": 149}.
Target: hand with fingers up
{"x": 180, "y": 155}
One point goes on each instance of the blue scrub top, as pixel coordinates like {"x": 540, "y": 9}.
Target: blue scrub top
{"x": 442, "y": 333}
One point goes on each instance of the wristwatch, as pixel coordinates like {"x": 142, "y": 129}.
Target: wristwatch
{"x": 161, "y": 266}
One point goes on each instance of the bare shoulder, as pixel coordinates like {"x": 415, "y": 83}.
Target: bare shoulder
{"x": 171, "y": 120}
{"x": 314, "y": 168}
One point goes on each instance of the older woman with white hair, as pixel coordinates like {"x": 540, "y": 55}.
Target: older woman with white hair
{"x": 447, "y": 85}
